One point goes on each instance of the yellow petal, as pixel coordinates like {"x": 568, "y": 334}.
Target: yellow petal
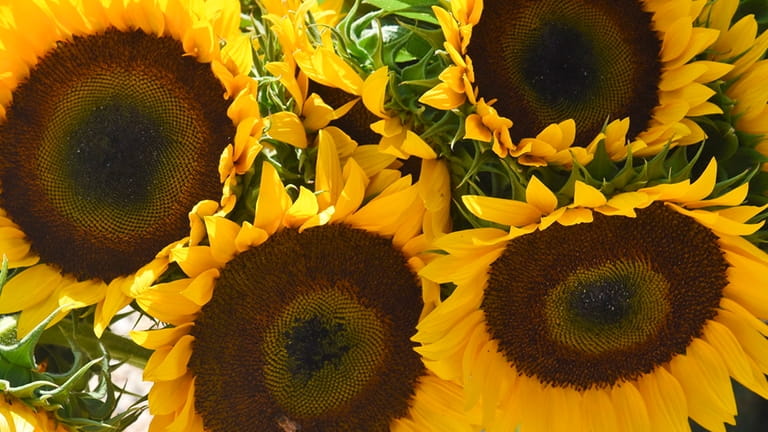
{"x": 725, "y": 343}
{"x": 383, "y": 213}
{"x": 665, "y": 400}
{"x": 273, "y": 201}
{"x": 453, "y": 340}
{"x": 631, "y": 413}
{"x": 167, "y": 364}
{"x": 302, "y": 209}
{"x": 670, "y": 112}
{"x": 221, "y": 235}
{"x": 585, "y": 195}
{"x": 743, "y": 326}
{"x": 462, "y": 243}
{"x": 474, "y": 377}
{"x": 193, "y": 259}
{"x": 731, "y": 198}
{"x": 676, "y": 78}
{"x": 317, "y": 114}
{"x": 566, "y": 410}
{"x": 200, "y": 41}
{"x": 371, "y": 160}
{"x": 475, "y": 129}
{"x": 676, "y": 38}
{"x": 714, "y": 70}
{"x": 250, "y": 236}
{"x": 31, "y": 286}
{"x": 188, "y": 420}
{"x": 287, "y": 127}
{"x": 162, "y": 338}
{"x": 200, "y": 290}
{"x": 599, "y": 408}
{"x": 502, "y": 211}
{"x": 747, "y": 281}
{"x": 448, "y": 25}
{"x": 540, "y": 196}
{"x": 16, "y": 247}
{"x": 166, "y": 303}
{"x": 329, "y": 178}
{"x": 701, "y": 38}
{"x": 626, "y": 203}
{"x": 114, "y": 300}
{"x": 33, "y": 316}
{"x": 343, "y": 76}
{"x": 453, "y": 269}
{"x": 164, "y": 395}
{"x": 705, "y": 381}
{"x": 374, "y": 91}
{"x": 80, "y": 294}
{"x": 442, "y": 97}
{"x": 416, "y": 146}
{"x": 352, "y": 194}
{"x": 717, "y": 223}
{"x": 535, "y": 413}
{"x": 703, "y": 186}
{"x": 284, "y": 72}
{"x": 575, "y": 216}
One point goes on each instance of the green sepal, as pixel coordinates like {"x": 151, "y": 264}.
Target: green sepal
{"x": 414, "y": 9}
{"x": 25, "y": 391}
{"x": 21, "y": 355}
{"x": 363, "y": 36}
{"x": 610, "y": 178}
{"x": 64, "y": 390}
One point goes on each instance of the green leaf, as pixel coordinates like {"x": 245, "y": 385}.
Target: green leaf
{"x": 394, "y": 5}
{"x": 22, "y": 353}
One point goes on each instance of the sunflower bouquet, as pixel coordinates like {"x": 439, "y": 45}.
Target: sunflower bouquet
{"x": 384, "y": 215}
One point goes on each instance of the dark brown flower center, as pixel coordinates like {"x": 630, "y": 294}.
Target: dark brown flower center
{"x": 108, "y": 144}
{"x": 549, "y": 60}
{"x": 312, "y": 328}
{"x": 593, "y": 304}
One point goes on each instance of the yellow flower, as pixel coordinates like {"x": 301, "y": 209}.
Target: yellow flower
{"x": 624, "y": 72}
{"x": 396, "y": 137}
{"x": 740, "y": 45}
{"x": 333, "y": 80}
{"x": 117, "y": 118}
{"x": 301, "y": 127}
{"x": 307, "y": 312}
{"x": 311, "y": 112}
{"x": 15, "y": 416}
{"x": 625, "y": 313}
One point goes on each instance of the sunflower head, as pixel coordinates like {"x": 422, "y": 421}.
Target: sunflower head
{"x": 344, "y": 57}
{"x": 326, "y": 282}
{"x": 117, "y": 119}
{"x": 607, "y": 301}
{"x": 737, "y": 136}
{"x": 625, "y": 73}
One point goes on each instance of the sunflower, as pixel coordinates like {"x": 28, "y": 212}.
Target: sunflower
{"x": 16, "y": 416}
{"x": 627, "y": 313}
{"x": 302, "y": 319}
{"x": 306, "y": 71}
{"x": 335, "y": 85}
{"x": 298, "y": 123}
{"x": 740, "y": 45}
{"x": 117, "y": 118}
{"x": 577, "y": 73}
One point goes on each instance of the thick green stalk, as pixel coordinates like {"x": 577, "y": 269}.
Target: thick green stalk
{"x": 119, "y": 348}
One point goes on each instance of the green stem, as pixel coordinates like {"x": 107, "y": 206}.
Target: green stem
{"x": 119, "y": 348}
